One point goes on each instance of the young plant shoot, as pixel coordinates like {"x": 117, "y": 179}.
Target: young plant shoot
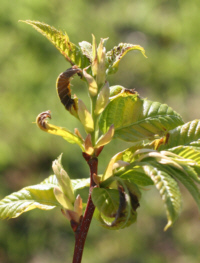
{"x": 164, "y": 151}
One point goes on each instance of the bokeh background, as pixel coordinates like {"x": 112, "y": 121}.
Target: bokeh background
{"x": 29, "y": 66}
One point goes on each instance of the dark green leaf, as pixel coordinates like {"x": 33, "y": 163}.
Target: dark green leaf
{"x": 137, "y": 176}
{"x": 106, "y": 200}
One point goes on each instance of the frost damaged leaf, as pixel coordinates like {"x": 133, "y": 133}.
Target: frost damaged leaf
{"x": 86, "y": 48}
{"x": 42, "y": 123}
{"x": 114, "y": 56}
{"x": 69, "y": 50}
{"x": 64, "y": 90}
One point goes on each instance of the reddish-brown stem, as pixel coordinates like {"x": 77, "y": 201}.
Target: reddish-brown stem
{"x": 82, "y": 230}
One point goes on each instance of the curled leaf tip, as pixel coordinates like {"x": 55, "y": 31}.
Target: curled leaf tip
{"x": 41, "y": 119}
{"x": 63, "y": 86}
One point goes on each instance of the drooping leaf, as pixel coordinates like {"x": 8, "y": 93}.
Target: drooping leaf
{"x": 187, "y": 134}
{"x": 187, "y": 152}
{"x": 114, "y": 56}
{"x": 42, "y": 123}
{"x": 37, "y": 196}
{"x": 64, "y": 90}
{"x": 186, "y": 180}
{"x": 61, "y": 41}
{"x": 138, "y": 119}
{"x": 188, "y": 183}
{"x": 169, "y": 191}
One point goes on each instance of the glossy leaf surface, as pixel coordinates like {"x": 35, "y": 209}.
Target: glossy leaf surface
{"x": 37, "y": 196}
{"x": 138, "y": 119}
{"x": 169, "y": 191}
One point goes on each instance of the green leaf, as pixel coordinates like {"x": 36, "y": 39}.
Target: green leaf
{"x": 137, "y": 119}
{"x": 61, "y": 41}
{"x": 106, "y": 200}
{"x": 37, "y": 196}
{"x": 184, "y": 178}
{"x": 127, "y": 201}
{"x": 64, "y": 181}
{"x": 187, "y": 152}
{"x": 187, "y": 134}
{"x": 76, "y": 183}
{"x": 114, "y": 56}
{"x": 169, "y": 191}
{"x": 80, "y": 183}
{"x": 52, "y": 180}
{"x": 188, "y": 183}
{"x": 136, "y": 175}
{"x": 124, "y": 221}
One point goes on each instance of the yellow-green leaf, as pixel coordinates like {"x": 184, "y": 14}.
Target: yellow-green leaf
{"x": 61, "y": 41}
{"x": 114, "y": 56}
{"x": 37, "y": 196}
{"x": 42, "y": 123}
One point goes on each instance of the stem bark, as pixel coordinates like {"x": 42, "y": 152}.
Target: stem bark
{"x": 82, "y": 230}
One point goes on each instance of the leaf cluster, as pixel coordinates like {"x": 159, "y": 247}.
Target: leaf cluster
{"x": 165, "y": 150}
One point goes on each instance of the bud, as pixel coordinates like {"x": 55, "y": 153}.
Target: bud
{"x": 89, "y": 149}
{"x": 62, "y": 198}
{"x": 102, "y": 99}
{"x": 106, "y": 138}
{"x": 63, "y": 179}
{"x": 76, "y": 131}
{"x": 109, "y": 169}
{"x": 93, "y": 89}
{"x": 94, "y": 56}
{"x": 72, "y": 216}
{"x": 78, "y": 206}
{"x": 85, "y": 117}
{"x": 101, "y": 55}
{"x": 96, "y": 179}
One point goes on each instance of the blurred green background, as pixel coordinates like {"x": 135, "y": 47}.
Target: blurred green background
{"x": 29, "y": 66}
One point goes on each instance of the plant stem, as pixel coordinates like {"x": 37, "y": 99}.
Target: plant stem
{"x": 82, "y": 230}
{"x": 95, "y": 133}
